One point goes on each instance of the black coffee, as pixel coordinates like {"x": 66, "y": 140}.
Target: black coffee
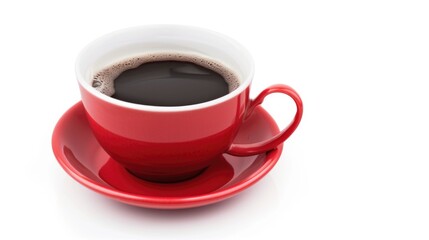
{"x": 166, "y": 80}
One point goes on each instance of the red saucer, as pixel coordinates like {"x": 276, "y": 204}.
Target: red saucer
{"x": 81, "y": 156}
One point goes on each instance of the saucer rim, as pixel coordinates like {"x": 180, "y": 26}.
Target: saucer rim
{"x": 162, "y": 202}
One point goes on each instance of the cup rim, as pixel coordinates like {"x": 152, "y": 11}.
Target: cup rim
{"x": 243, "y": 85}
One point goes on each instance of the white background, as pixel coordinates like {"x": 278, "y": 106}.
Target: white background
{"x": 356, "y": 168}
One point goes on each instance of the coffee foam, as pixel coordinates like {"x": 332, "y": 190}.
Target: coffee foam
{"x": 103, "y": 81}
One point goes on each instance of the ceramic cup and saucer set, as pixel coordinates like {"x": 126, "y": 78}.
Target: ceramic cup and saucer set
{"x": 169, "y": 156}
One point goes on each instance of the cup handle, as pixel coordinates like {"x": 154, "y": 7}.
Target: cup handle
{"x": 273, "y": 142}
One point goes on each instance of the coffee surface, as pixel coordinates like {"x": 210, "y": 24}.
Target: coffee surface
{"x": 169, "y": 83}
{"x": 166, "y": 80}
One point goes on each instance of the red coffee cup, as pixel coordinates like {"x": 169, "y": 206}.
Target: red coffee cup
{"x": 167, "y": 144}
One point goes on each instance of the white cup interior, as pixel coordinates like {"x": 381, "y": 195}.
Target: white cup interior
{"x": 136, "y": 41}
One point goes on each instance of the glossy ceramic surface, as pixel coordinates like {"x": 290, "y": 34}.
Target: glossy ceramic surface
{"x": 168, "y": 144}
{"x": 81, "y": 156}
